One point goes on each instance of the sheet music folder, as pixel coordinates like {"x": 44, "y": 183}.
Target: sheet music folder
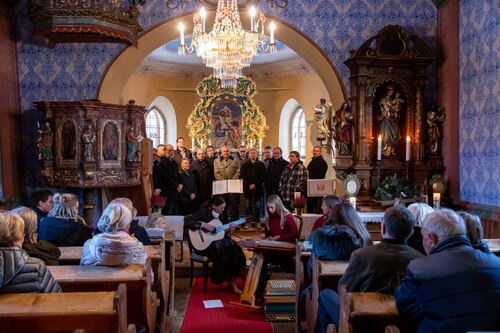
{"x": 227, "y": 186}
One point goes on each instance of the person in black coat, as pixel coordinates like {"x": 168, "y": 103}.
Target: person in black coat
{"x": 156, "y": 177}
{"x": 253, "y": 173}
{"x": 317, "y": 169}
{"x": 187, "y": 195}
{"x": 169, "y": 182}
{"x": 276, "y": 166}
{"x": 203, "y": 170}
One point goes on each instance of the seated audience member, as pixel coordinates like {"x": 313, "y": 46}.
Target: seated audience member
{"x": 135, "y": 229}
{"x": 114, "y": 246}
{"x": 156, "y": 225}
{"x": 20, "y": 273}
{"x": 377, "y": 268}
{"x": 454, "y": 288}
{"x": 227, "y": 256}
{"x": 41, "y": 202}
{"x": 62, "y": 227}
{"x": 474, "y": 231}
{"x": 41, "y": 249}
{"x": 420, "y": 211}
{"x": 350, "y": 217}
{"x": 330, "y": 209}
{"x": 280, "y": 224}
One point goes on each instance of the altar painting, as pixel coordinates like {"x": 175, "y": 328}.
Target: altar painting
{"x": 226, "y": 123}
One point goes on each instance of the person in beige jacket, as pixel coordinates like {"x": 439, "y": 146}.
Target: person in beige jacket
{"x": 226, "y": 167}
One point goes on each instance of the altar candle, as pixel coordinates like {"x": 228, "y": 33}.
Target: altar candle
{"x": 181, "y": 30}
{"x": 352, "y": 201}
{"x": 252, "y": 19}
{"x": 260, "y": 144}
{"x": 192, "y": 144}
{"x": 203, "y": 14}
{"x": 407, "y": 148}
{"x": 379, "y": 147}
{"x": 201, "y": 143}
{"x": 251, "y": 143}
{"x": 436, "y": 198}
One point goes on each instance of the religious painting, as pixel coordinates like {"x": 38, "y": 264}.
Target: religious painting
{"x": 110, "y": 142}
{"x": 68, "y": 136}
{"x": 226, "y": 123}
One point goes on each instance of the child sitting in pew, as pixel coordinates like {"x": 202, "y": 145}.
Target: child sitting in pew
{"x": 114, "y": 246}
{"x": 20, "y": 273}
{"x": 156, "y": 225}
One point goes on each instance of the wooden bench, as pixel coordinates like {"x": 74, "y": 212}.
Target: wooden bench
{"x": 301, "y": 281}
{"x": 100, "y": 312}
{"x": 324, "y": 273}
{"x": 141, "y": 301}
{"x": 369, "y": 312}
{"x": 167, "y": 272}
{"x": 494, "y": 245}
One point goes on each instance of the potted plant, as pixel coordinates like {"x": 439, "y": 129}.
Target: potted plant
{"x": 157, "y": 203}
{"x": 392, "y": 188}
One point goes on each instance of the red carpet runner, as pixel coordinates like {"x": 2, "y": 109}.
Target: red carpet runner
{"x": 231, "y": 318}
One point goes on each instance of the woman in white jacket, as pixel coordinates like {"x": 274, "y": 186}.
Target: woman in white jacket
{"x": 114, "y": 246}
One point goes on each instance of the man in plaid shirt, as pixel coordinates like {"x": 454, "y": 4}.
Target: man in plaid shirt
{"x": 293, "y": 179}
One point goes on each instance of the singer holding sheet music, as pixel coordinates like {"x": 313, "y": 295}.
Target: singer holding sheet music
{"x": 227, "y": 256}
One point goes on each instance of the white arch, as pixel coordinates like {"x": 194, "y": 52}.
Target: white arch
{"x": 165, "y": 107}
{"x": 285, "y": 120}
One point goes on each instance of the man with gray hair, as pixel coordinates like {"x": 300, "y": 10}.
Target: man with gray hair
{"x": 454, "y": 288}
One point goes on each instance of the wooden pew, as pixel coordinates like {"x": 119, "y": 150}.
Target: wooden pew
{"x": 324, "y": 273}
{"x": 141, "y": 301}
{"x": 369, "y": 312}
{"x": 494, "y": 245}
{"x": 167, "y": 272}
{"x": 301, "y": 282}
{"x": 99, "y": 312}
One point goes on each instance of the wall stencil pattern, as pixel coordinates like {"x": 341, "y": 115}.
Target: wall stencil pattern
{"x": 480, "y": 101}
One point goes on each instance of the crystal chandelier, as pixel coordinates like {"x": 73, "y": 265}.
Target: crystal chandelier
{"x": 228, "y": 48}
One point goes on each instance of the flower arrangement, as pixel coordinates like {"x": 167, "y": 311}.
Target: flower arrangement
{"x": 157, "y": 201}
{"x": 392, "y": 187}
{"x": 298, "y": 202}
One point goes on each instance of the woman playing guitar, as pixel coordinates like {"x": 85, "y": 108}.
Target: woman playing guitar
{"x": 227, "y": 256}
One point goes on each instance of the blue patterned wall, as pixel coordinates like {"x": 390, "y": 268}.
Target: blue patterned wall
{"x": 73, "y": 71}
{"x": 480, "y": 101}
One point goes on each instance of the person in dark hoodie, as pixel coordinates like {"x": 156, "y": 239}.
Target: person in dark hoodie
{"x": 41, "y": 249}
{"x": 20, "y": 273}
{"x": 317, "y": 169}
{"x": 293, "y": 179}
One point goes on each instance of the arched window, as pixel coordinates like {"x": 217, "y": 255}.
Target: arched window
{"x": 298, "y": 131}
{"x": 155, "y": 127}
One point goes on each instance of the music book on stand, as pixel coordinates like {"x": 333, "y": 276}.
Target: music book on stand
{"x": 227, "y": 186}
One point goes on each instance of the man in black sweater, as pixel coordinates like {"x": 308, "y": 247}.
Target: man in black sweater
{"x": 317, "y": 169}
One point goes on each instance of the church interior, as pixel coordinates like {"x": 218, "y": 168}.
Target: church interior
{"x": 402, "y": 96}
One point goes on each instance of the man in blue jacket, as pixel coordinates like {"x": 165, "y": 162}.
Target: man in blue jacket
{"x": 454, "y": 288}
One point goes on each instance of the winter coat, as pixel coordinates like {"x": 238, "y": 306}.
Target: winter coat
{"x": 63, "y": 232}
{"x": 293, "y": 179}
{"x": 273, "y": 176}
{"x": 139, "y": 232}
{"x": 226, "y": 169}
{"x": 168, "y": 179}
{"x": 113, "y": 249}
{"x": 317, "y": 168}
{"x": 204, "y": 173}
{"x": 188, "y": 180}
{"x": 19, "y": 273}
{"x": 43, "y": 250}
{"x": 253, "y": 173}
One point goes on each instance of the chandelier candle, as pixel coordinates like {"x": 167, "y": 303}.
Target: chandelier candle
{"x": 407, "y": 148}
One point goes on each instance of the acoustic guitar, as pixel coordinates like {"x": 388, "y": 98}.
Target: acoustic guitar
{"x": 202, "y": 239}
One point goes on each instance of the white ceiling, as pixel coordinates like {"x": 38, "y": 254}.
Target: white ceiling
{"x": 165, "y": 61}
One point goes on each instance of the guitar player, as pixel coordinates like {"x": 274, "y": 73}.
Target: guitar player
{"x": 227, "y": 256}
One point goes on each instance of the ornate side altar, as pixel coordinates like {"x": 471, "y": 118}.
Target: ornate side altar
{"x": 227, "y": 117}
{"x": 384, "y": 129}
{"x": 90, "y": 144}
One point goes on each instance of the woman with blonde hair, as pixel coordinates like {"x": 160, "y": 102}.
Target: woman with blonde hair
{"x": 114, "y": 246}
{"x": 20, "y": 273}
{"x": 63, "y": 226}
{"x": 135, "y": 229}
{"x": 280, "y": 224}
{"x": 43, "y": 250}
{"x": 330, "y": 208}
{"x": 474, "y": 231}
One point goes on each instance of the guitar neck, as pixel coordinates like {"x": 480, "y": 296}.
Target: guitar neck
{"x": 227, "y": 226}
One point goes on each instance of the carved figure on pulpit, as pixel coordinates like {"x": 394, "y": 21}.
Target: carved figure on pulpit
{"x": 47, "y": 140}
{"x": 389, "y": 122}
{"x": 435, "y": 117}
{"x": 88, "y": 138}
{"x": 134, "y": 139}
{"x": 346, "y": 119}
{"x": 320, "y": 113}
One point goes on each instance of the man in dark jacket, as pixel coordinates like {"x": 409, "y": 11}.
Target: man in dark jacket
{"x": 317, "y": 169}
{"x": 156, "y": 177}
{"x": 377, "y": 268}
{"x": 276, "y": 166}
{"x": 187, "y": 195}
{"x": 203, "y": 170}
{"x": 41, "y": 202}
{"x": 455, "y": 288}
{"x": 181, "y": 151}
{"x": 253, "y": 173}
{"x": 169, "y": 183}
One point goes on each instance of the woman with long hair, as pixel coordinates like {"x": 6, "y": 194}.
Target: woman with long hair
{"x": 420, "y": 211}
{"x": 63, "y": 226}
{"x": 41, "y": 249}
{"x": 474, "y": 231}
{"x": 228, "y": 258}
{"x": 280, "y": 224}
{"x": 349, "y": 217}
{"x": 330, "y": 209}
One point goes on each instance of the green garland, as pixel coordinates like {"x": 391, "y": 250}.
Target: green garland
{"x": 392, "y": 187}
